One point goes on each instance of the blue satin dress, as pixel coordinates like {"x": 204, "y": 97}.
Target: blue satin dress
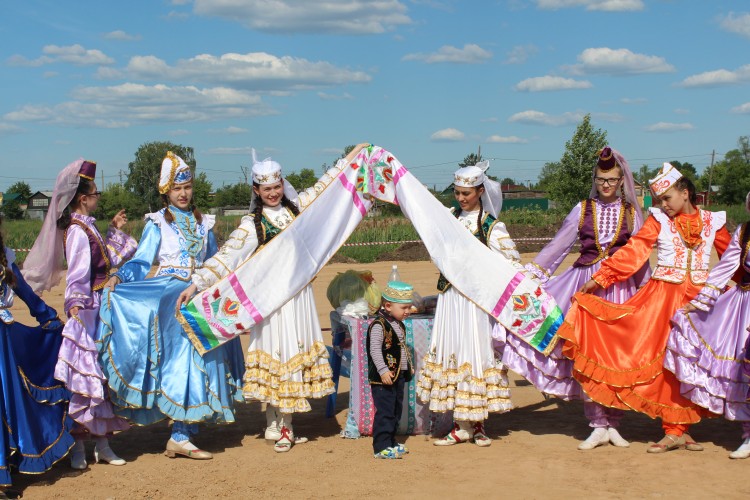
{"x": 35, "y": 432}
{"x": 153, "y": 370}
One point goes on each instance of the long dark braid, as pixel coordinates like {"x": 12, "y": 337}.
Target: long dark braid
{"x": 6, "y": 273}
{"x": 257, "y": 217}
{"x": 84, "y": 187}
{"x": 480, "y": 228}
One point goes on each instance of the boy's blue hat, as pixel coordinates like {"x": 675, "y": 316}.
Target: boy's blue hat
{"x": 399, "y": 292}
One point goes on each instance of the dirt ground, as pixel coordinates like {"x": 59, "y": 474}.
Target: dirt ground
{"x": 533, "y": 455}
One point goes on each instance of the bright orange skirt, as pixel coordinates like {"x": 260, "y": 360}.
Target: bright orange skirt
{"x": 618, "y": 351}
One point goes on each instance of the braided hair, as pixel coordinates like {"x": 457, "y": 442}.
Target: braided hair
{"x": 684, "y": 183}
{"x": 258, "y": 213}
{"x": 84, "y": 187}
{"x": 169, "y": 217}
{"x": 6, "y": 273}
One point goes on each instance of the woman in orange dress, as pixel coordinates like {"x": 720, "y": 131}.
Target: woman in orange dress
{"x": 618, "y": 349}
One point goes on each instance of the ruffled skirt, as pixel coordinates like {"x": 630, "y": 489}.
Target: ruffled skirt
{"x": 553, "y": 374}
{"x": 36, "y": 431}
{"x": 154, "y": 371}
{"x": 287, "y": 360}
{"x": 78, "y": 368}
{"x": 461, "y": 372}
{"x": 618, "y": 351}
{"x": 708, "y": 353}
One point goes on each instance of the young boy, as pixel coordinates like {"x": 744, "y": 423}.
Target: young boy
{"x": 390, "y": 367}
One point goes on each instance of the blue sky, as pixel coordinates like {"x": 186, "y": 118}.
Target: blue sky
{"x": 430, "y": 80}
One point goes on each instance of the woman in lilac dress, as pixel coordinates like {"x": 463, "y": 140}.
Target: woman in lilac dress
{"x": 709, "y": 348}
{"x": 69, "y": 232}
{"x": 602, "y": 223}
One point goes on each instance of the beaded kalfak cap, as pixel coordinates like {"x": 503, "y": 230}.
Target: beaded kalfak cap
{"x": 399, "y": 292}
{"x": 606, "y": 160}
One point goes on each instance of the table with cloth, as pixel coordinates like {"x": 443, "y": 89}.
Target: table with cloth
{"x": 416, "y": 417}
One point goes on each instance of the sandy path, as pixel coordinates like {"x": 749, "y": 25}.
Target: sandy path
{"x": 533, "y": 456}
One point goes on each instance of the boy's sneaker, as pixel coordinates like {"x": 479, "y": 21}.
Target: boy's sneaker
{"x": 401, "y": 449}
{"x": 388, "y": 454}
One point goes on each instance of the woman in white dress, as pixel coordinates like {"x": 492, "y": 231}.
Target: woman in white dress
{"x": 287, "y": 361}
{"x": 461, "y": 372}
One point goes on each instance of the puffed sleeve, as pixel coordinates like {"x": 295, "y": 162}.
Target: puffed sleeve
{"x": 720, "y": 274}
{"x": 78, "y": 279}
{"x": 549, "y": 259}
{"x": 630, "y": 258}
{"x": 120, "y": 246}
{"x": 239, "y": 247}
{"x": 308, "y": 195}
{"x": 500, "y": 241}
{"x": 137, "y": 268}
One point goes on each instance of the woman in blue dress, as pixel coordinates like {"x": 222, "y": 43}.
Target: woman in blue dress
{"x": 154, "y": 372}
{"x": 35, "y": 430}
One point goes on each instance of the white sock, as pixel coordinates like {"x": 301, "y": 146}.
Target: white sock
{"x": 101, "y": 442}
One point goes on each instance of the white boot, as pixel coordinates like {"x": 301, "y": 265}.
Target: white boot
{"x": 103, "y": 452}
{"x": 599, "y": 437}
{"x": 743, "y": 451}
{"x": 287, "y": 438}
{"x": 616, "y": 439}
{"x": 273, "y": 432}
{"x": 461, "y": 433}
{"x": 78, "y": 455}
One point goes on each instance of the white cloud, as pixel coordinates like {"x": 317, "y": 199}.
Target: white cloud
{"x": 333, "y": 97}
{"x": 180, "y": 2}
{"x": 634, "y": 100}
{"x": 469, "y": 54}
{"x": 9, "y": 128}
{"x": 251, "y": 71}
{"x": 533, "y": 117}
{"x": 311, "y": 16}
{"x": 520, "y": 53}
{"x": 548, "y": 83}
{"x": 229, "y": 130}
{"x": 71, "y": 54}
{"x": 603, "y": 60}
{"x": 669, "y": 127}
{"x": 178, "y": 132}
{"x": 742, "y": 109}
{"x": 131, "y": 103}
{"x": 718, "y": 78}
{"x": 448, "y": 135}
{"x": 499, "y": 139}
{"x": 681, "y": 111}
{"x": 176, "y": 16}
{"x": 737, "y": 23}
{"x": 601, "y": 5}
{"x": 122, "y": 36}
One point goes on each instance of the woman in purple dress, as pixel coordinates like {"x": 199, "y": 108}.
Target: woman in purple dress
{"x": 709, "y": 347}
{"x": 69, "y": 233}
{"x": 602, "y": 224}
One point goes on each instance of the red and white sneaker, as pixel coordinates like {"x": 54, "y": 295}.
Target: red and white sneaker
{"x": 455, "y": 436}
{"x": 480, "y": 438}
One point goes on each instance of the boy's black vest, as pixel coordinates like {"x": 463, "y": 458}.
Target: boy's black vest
{"x": 443, "y": 284}
{"x": 391, "y": 349}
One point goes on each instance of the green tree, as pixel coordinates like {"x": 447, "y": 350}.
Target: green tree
{"x": 114, "y": 198}
{"x": 570, "y": 179}
{"x": 547, "y": 175}
{"x": 201, "y": 190}
{"x": 144, "y": 170}
{"x": 470, "y": 159}
{"x": 733, "y": 174}
{"x": 12, "y": 208}
{"x": 235, "y": 195}
{"x": 305, "y": 179}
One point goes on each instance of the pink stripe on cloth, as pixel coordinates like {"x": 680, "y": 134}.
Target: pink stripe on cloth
{"x": 399, "y": 173}
{"x": 249, "y": 306}
{"x": 352, "y": 189}
{"x": 507, "y": 294}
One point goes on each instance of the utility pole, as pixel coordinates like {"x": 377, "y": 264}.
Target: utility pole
{"x": 102, "y": 186}
{"x": 121, "y": 172}
{"x": 710, "y": 175}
